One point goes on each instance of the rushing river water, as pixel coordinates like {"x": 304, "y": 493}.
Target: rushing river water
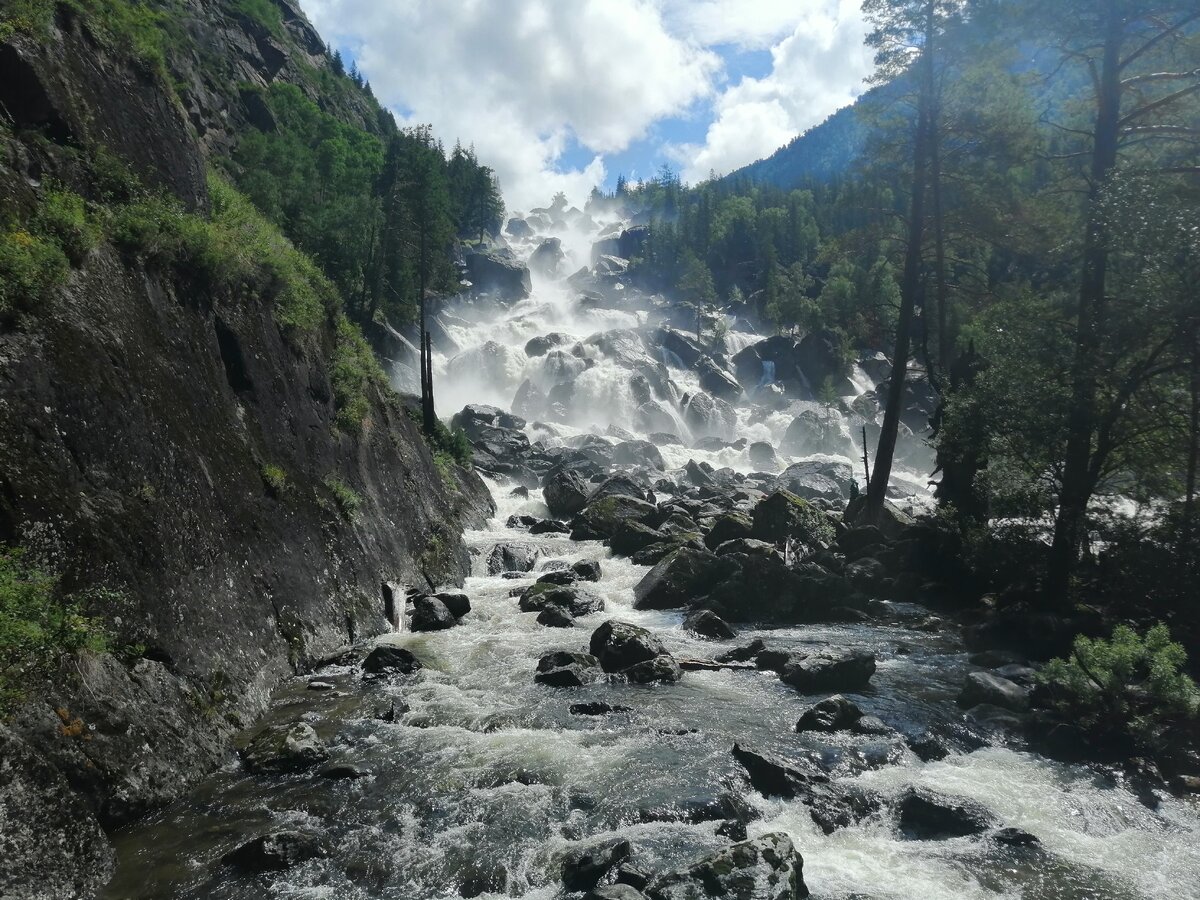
{"x": 487, "y": 779}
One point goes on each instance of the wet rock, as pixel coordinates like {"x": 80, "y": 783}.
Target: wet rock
{"x": 549, "y": 526}
{"x": 615, "y": 892}
{"x": 763, "y": 456}
{"x": 275, "y": 852}
{"x": 717, "y": 382}
{"x": 343, "y": 772}
{"x": 928, "y": 747}
{"x": 512, "y": 558}
{"x": 284, "y": 749}
{"x": 686, "y": 350}
{"x": 583, "y": 869}
{"x": 783, "y": 515}
{"x": 829, "y": 670}
{"x": 923, "y": 814}
{"x": 638, "y": 453}
{"x": 518, "y": 228}
{"x": 634, "y": 536}
{"x": 587, "y": 569}
{"x": 431, "y": 614}
{"x": 744, "y": 654}
{"x": 767, "y": 867}
{"x": 656, "y": 553}
{"x": 565, "y": 668}
{"x": 634, "y": 652}
{"x": 1025, "y": 676}
{"x": 731, "y": 527}
{"x": 748, "y": 547}
{"x": 543, "y": 344}
{"x": 860, "y": 538}
{"x": 681, "y": 578}
{"x": 554, "y": 616}
{"x": 1014, "y": 837}
{"x": 603, "y": 517}
{"x": 541, "y": 595}
{"x": 813, "y": 432}
{"x": 829, "y": 805}
{"x": 597, "y": 708}
{"x": 816, "y": 480}
{"x": 547, "y": 258}
{"x": 565, "y": 493}
{"x": 866, "y": 573}
{"x": 496, "y": 274}
{"x": 629, "y": 874}
{"x": 983, "y": 687}
{"x": 560, "y": 577}
{"x": 871, "y": 725}
{"x": 834, "y": 713}
{"x": 707, "y": 624}
{"x": 458, "y": 603}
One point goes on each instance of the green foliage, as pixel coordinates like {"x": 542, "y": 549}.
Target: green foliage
{"x": 264, "y": 12}
{"x": 38, "y": 624}
{"x": 275, "y": 478}
{"x": 345, "y": 498}
{"x": 32, "y": 17}
{"x": 1132, "y": 685}
{"x": 354, "y": 369}
{"x": 64, "y": 216}
{"x": 30, "y": 267}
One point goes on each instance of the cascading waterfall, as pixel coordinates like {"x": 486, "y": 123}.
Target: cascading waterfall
{"x": 482, "y": 779}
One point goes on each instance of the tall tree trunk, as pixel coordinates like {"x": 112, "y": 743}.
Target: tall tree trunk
{"x": 1187, "y": 530}
{"x": 939, "y": 264}
{"x": 1077, "y": 483}
{"x": 909, "y": 288}
{"x": 428, "y": 416}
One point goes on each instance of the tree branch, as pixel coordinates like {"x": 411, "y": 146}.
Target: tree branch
{"x": 1158, "y": 104}
{"x": 1157, "y": 39}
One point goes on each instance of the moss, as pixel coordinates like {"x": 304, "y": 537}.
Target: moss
{"x": 348, "y": 501}
{"x": 275, "y": 479}
{"x": 264, "y": 12}
{"x": 354, "y": 369}
{"x": 31, "y": 266}
{"x": 39, "y": 623}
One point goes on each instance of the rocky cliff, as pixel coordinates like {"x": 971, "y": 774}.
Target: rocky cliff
{"x": 177, "y": 446}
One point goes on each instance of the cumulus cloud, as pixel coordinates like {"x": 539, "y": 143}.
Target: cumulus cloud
{"x": 521, "y": 78}
{"x": 817, "y": 69}
{"x": 525, "y": 80}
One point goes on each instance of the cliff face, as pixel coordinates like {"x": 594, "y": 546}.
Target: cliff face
{"x": 144, "y": 425}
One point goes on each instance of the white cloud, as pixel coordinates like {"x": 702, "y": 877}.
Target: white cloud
{"x": 817, "y": 69}
{"x": 749, "y": 24}
{"x": 519, "y": 78}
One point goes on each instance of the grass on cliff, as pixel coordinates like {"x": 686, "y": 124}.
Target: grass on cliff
{"x": 135, "y": 28}
{"x": 38, "y": 625}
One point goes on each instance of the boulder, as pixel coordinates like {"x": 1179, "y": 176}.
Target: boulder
{"x": 458, "y": 603}
{"x": 565, "y": 492}
{"x": 829, "y": 805}
{"x": 518, "y": 228}
{"x": 603, "y": 517}
{"x": 564, "y": 668}
{"x": 634, "y": 536}
{"x": 587, "y": 569}
{"x": 633, "y": 241}
{"x": 984, "y": 687}
{"x": 583, "y": 869}
{"x": 615, "y": 892}
{"x": 633, "y": 652}
{"x": 783, "y": 515}
{"x": 680, "y": 579}
{"x": 500, "y": 275}
{"x": 829, "y": 670}
{"x": 555, "y": 616}
{"x": 662, "y": 668}
{"x": 512, "y": 558}
{"x": 543, "y": 344}
{"x": 730, "y": 527}
{"x": 548, "y": 258}
{"x": 538, "y": 596}
{"x": 743, "y": 654}
{"x": 638, "y": 453}
{"x": 817, "y": 480}
{"x": 284, "y": 749}
{"x": 275, "y": 852}
{"x": 717, "y": 382}
{"x": 652, "y": 417}
{"x": 927, "y": 815}
{"x": 834, "y": 713}
{"x": 768, "y": 867}
{"x": 431, "y": 614}
{"x": 763, "y": 456}
{"x": 707, "y": 624}
{"x": 386, "y": 659}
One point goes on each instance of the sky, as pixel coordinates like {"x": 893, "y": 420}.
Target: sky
{"x": 568, "y": 94}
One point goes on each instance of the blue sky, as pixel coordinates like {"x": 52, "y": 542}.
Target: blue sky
{"x": 565, "y": 94}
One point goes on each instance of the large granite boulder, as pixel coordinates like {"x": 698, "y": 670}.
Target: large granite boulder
{"x": 499, "y": 274}
{"x": 681, "y": 578}
{"x": 628, "y": 650}
{"x": 765, "y": 868}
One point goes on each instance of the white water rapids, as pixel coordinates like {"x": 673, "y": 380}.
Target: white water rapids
{"x": 488, "y": 778}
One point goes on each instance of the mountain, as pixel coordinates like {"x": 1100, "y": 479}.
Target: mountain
{"x": 206, "y": 484}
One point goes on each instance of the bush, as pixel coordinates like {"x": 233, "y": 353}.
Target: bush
{"x": 352, "y": 372}
{"x": 30, "y": 267}
{"x": 38, "y": 624}
{"x": 275, "y": 479}
{"x": 348, "y": 501}
{"x": 264, "y": 12}
{"x": 1131, "y": 686}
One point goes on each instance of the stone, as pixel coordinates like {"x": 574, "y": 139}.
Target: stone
{"x": 583, "y": 869}
{"x": 565, "y": 668}
{"x": 496, "y": 274}
{"x": 542, "y": 595}
{"x": 284, "y": 749}
{"x": 829, "y": 670}
{"x": 431, "y": 614}
{"x": 615, "y": 892}
{"x": 554, "y": 616}
{"x": 707, "y": 624}
{"x": 565, "y": 493}
{"x": 768, "y": 867}
{"x": 662, "y": 668}
{"x": 597, "y": 708}
{"x": 834, "y": 713}
{"x": 587, "y": 569}
{"x": 681, "y": 578}
{"x": 459, "y": 604}
{"x": 871, "y": 725}
{"x": 343, "y": 772}
{"x": 387, "y": 660}
{"x": 604, "y": 516}
{"x": 512, "y": 558}
{"x": 783, "y": 515}
{"x": 763, "y": 456}
{"x": 1014, "y": 837}
{"x": 730, "y": 527}
{"x": 619, "y": 645}
{"x": 984, "y": 687}
{"x": 633, "y": 537}
{"x": 928, "y": 747}
{"x": 744, "y": 654}
{"x": 923, "y": 814}
{"x": 275, "y": 852}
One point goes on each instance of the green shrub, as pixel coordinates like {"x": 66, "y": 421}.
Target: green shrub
{"x": 275, "y": 479}
{"x": 132, "y": 26}
{"x": 452, "y": 443}
{"x": 30, "y": 267}
{"x": 264, "y": 12}
{"x": 1131, "y": 685}
{"x": 26, "y": 17}
{"x": 38, "y": 624}
{"x": 352, "y": 372}
{"x": 348, "y": 501}
{"x": 63, "y": 216}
